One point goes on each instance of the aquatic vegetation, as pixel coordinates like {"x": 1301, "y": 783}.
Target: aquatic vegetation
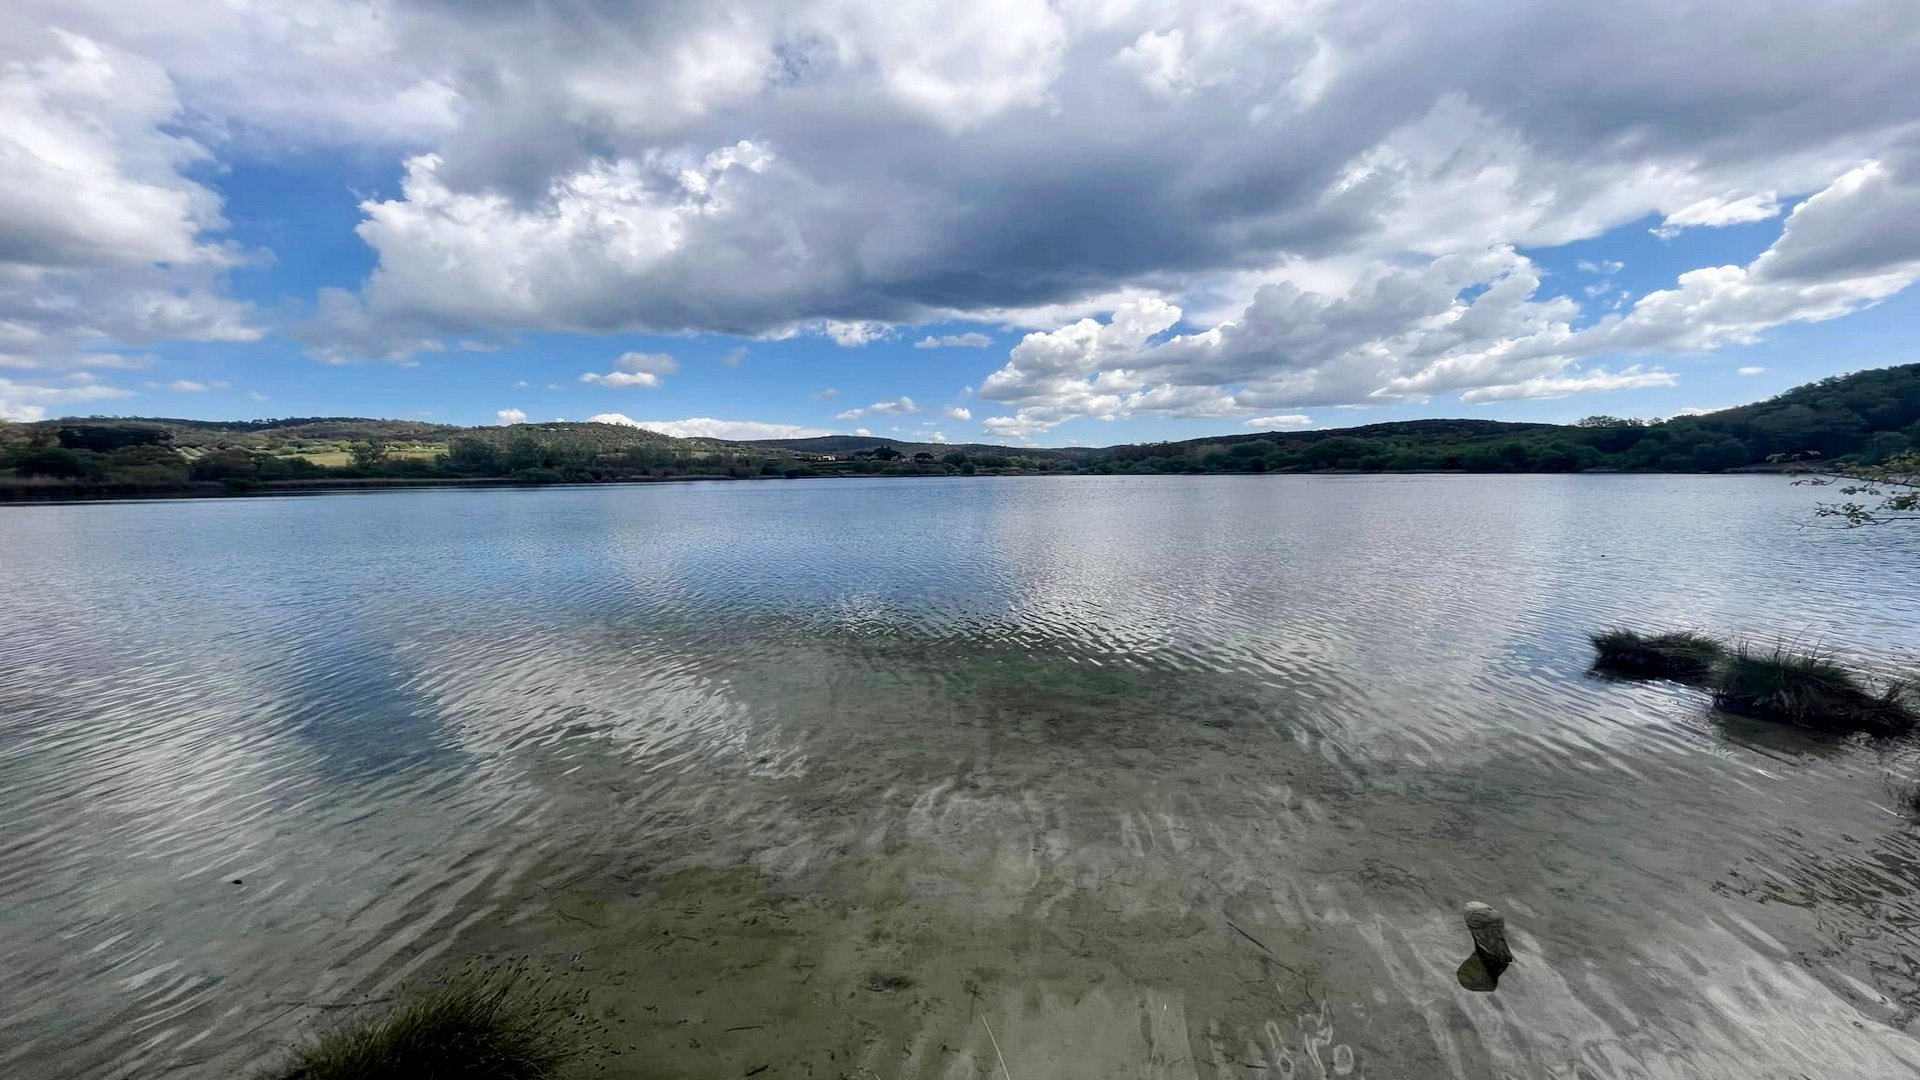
{"x": 496, "y": 1023}
{"x": 1812, "y": 690}
{"x": 1681, "y": 656}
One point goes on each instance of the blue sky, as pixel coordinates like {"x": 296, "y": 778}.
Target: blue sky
{"x": 1122, "y": 225}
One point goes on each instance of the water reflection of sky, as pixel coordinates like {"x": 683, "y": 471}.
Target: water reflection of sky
{"x": 1344, "y": 702}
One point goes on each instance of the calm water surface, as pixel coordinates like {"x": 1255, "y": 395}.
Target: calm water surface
{"x": 1163, "y": 777}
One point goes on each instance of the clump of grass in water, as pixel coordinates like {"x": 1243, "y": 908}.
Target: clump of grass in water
{"x": 1810, "y": 690}
{"x": 1681, "y": 656}
{"x": 487, "y": 1023}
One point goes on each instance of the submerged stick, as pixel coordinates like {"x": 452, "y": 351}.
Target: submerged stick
{"x": 996, "y": 1049}
{"x": 1489, "y": 932}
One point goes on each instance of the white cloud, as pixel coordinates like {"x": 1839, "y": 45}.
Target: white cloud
{"x": 936, "y": 436}
{"x": 1281, "y": 421}
{"x": 732, "y": 357}
{"x": 843, "y": 166}
{"x": 105, "y": 241}
{"x": 623, "y": 378}
{"x": 970, "y": 340}
{"x": 1558, "y": 386}
{"x": 190, "y": 386}
{"x": 511, "y": 416}
{"x": 1474, "y": 325}
{"x": 956, "y": 412}
{"x": 256, "y": 396}
{"x": 635, "y": 369}
{"x": 706, "y": 427}
{"x": 1602, "y": 266}
{"x": 899, "y": 406}
{"x": 29, "y": 401}
{"x": 1749, "y": 370}
{"x": 825, "y": 395}
{"x": 1718, "y": 212}
{"x": 91, "y": 178}
{"x": 905, "y": 162}
{"x": 862, "y": 431}
{"x": 852, "y": 335}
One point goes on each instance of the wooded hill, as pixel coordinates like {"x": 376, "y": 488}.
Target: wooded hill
{"x": 1867, "y": 417}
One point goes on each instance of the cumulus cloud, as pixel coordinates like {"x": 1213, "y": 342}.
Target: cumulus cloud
{"x": 957, "y": 412}
{"x": 30, "y": 401}
{"x": 1281, "y": 421}
{"x": 899, "y": 406}
{"x": 706, "y": 427}
{"x": 510, "y": 416}
{"x": 105, "y": 240}
{"x": 845, "y": 166}
{"x": 851, "y": 166}
{"x": 1474, "y": 325}
{"x": 635, "y": 369}
{"x": 970, "y": 340}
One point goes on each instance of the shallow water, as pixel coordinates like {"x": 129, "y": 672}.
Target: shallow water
{"x": 1097, "y": 776}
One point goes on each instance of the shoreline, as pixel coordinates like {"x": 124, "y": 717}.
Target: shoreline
{"x": 56, "y": 494}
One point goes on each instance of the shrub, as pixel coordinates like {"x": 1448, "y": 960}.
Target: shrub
{"x": 1683, "y": 657}
{"x": 491, "y": 1023}
{"x": 1810, "y": 690}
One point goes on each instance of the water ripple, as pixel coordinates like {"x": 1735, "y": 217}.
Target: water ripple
{"x": 257, "y": 754}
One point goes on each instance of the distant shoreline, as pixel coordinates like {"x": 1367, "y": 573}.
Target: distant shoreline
{"x": 49, "y": 494}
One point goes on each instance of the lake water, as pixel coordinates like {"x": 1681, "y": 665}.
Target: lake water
{"x": 1130, "y": 776}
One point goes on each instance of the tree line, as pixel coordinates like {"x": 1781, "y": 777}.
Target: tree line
{"x": 1865, "y": 421}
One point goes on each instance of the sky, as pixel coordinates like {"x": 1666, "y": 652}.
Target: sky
{"x": 1009, "y": 221}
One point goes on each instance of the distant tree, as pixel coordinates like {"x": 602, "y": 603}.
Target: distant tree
{"x": 56, "y": 461}
{"x": 149, "y": 464}
{"x": 923, "y": 457}
{"x": 469, "y": 455}
{"x": 367, "y": 454}
{"x": 524, "y": 453}
{"x": 1340, "y": 451}
{"x": 1602, "y": 420}
{"x": 106, "y": 438}
{"x": 887, "y": 453}
{"x": 954, "y": 457}
{"x": 226, "y": 465}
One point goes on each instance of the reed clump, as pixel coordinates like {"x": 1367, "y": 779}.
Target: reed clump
{"x": 1813, "y": 691}
{"x": 496, "y": 1023}
{"x": 1806, "y": 688}
{"x": 1681, "y": 656}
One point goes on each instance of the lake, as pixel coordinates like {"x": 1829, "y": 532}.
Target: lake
{"x": 1096, "y": 776}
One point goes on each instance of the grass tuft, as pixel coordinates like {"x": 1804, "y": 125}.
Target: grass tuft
{"x": 1810, "y": 690}
{"x": 488, "y": 1023}
{"x": 1682, "y": 656}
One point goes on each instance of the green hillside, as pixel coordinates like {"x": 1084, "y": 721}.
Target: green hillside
{"x": 1867, "y": 417}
